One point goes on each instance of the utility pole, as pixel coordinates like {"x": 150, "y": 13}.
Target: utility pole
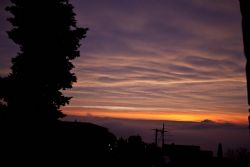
{"x": 156, "y": 136}
{"x": 162, "y": 131}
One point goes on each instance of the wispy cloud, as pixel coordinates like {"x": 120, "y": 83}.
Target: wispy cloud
{"x": 178, "y": 55}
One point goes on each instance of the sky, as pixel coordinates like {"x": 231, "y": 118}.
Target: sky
{"x": 175, "y": 60}
{"x": 154, "y": 59}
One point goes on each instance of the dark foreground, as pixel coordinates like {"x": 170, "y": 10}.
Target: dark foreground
{"x": 85, "y": 144}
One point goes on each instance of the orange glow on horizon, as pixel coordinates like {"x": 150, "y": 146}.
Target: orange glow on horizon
{"x": 221, "y": 117}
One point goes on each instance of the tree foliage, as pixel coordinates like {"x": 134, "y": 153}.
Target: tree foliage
{"x": 49, "y": 39}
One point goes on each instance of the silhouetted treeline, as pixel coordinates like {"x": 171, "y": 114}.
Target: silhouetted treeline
{"x": 86, "y": 144}
{"x": 136, "y": 153}
{"x": 61, "y": 143}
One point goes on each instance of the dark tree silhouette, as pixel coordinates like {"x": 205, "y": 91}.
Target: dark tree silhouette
{"x": 3, "y": 106}
{"x": 245, "y": 12}
{"x": 49, "y": 39}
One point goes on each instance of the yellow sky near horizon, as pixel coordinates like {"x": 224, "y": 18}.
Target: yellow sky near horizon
{"x": 151, "y": 114}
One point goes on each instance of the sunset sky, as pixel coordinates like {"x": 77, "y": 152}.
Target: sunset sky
{"x": 176, "y": 60}
{"x": 159, "y": 59}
